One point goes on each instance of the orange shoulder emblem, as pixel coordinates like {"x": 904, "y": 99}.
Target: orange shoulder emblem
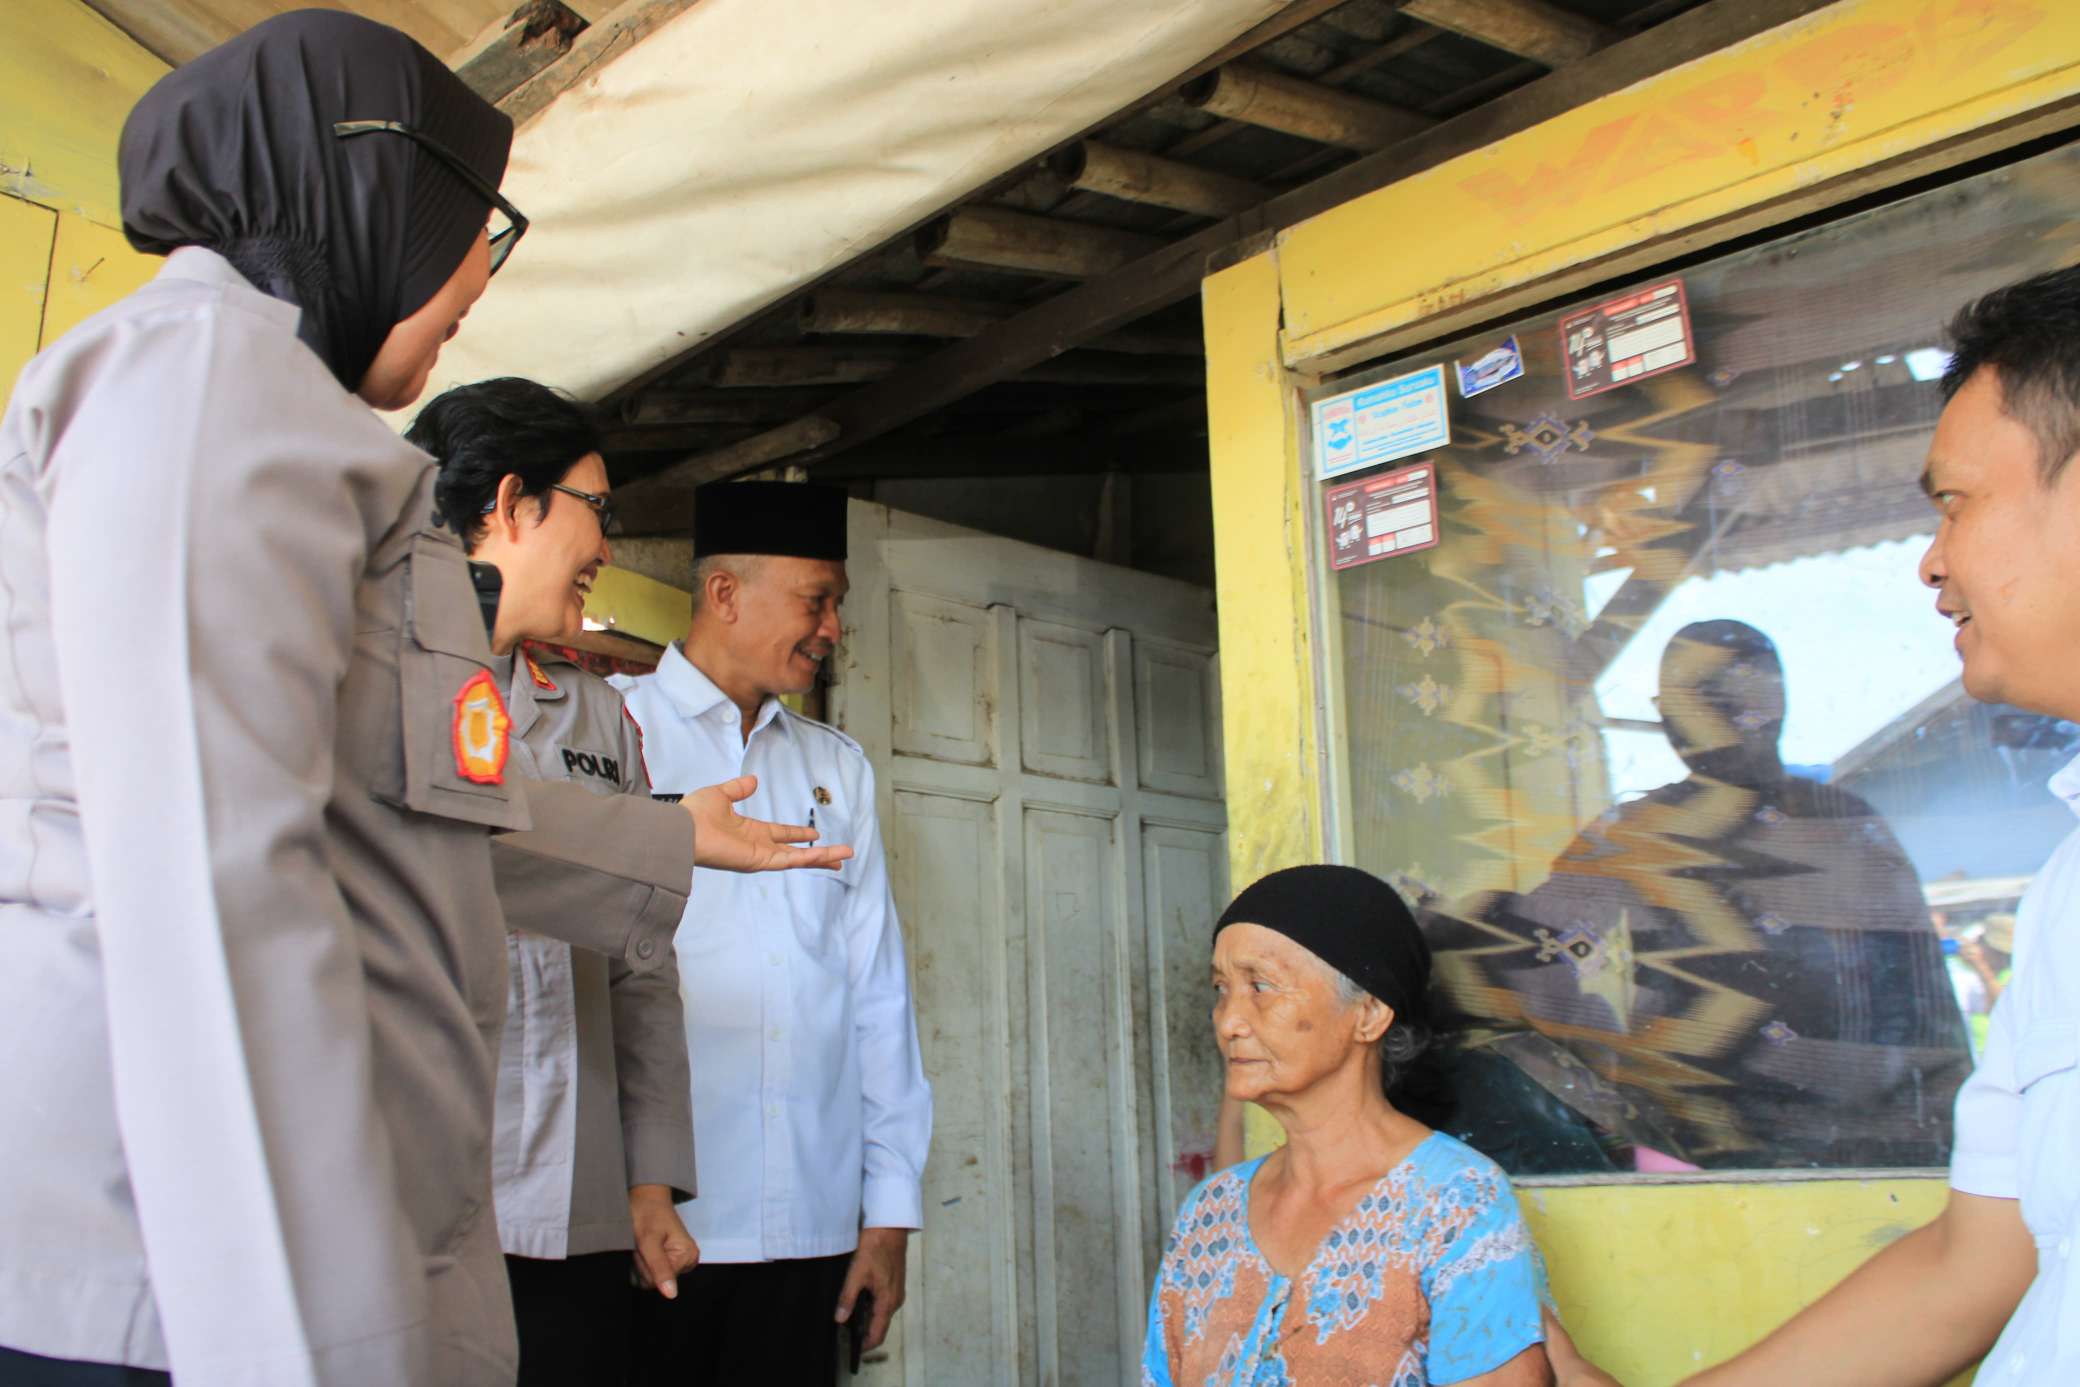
{"x": 541, "y": 680}
{"x": 481, "y": 731}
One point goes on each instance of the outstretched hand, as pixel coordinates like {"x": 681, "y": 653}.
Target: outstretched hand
{"x": 725, "y": 839}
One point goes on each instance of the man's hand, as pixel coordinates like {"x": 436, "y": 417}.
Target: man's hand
{"x": 879, "y": 1267}
{"x": 726, "y": 839}
{"x": 663, "y": 1246}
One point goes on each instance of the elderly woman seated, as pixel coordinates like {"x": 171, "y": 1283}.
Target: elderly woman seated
{"x": 1367, "y": 1249}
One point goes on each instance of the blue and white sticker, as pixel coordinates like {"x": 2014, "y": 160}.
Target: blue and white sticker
{"x": 1505, "y": 363}
{"x": 1379, "y": 423}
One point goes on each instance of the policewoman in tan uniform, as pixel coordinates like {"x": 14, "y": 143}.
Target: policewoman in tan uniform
{"x": 251, "y": 965}
{"x": 593, "y": 1140}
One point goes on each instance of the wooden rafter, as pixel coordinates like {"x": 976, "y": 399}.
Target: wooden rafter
{"x": 1016, "y": 345}
{"x": 1528, "y": 28}
{"x": 1260, "y": 96}
{"x": 602, "y": 42}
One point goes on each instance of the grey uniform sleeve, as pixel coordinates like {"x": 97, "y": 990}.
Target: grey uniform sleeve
{"x": 650, "y": 1066}
{"x": 205, "y": 549}
{"x": 605, "y": 873}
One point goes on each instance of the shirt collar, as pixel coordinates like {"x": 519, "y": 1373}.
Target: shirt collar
{"x": 204, "y": 266}
{"x": 2066, "y": 785}
{"x": 695, "y": 693}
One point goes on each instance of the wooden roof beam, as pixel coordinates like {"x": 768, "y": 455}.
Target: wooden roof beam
{"x": 1260, "y": 96}
{"x": 996, "y": 238}
{"x": 868, "y": 313}
{"x": 1132, "y": 176}
{"x": 1528, "y": 28}
{"x": 603, "y": 41}
{"x": 1174, "y": 273}
{"x": 517, "y": 47}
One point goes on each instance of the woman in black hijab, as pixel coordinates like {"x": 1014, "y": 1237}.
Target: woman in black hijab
{"x": 250, "y": 959}
{"x": 1368, "y": 1247}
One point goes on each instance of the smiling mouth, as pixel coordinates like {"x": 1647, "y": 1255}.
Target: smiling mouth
{"x": 583, "y": 583}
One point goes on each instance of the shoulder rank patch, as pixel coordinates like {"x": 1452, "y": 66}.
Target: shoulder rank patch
{"x": 481, "y": 730}
{"x": 541, "y": 680}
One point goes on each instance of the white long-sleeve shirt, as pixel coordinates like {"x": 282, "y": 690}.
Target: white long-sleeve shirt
{"x": 810, "y": 1106}
{"x": 2018, "y": 1117}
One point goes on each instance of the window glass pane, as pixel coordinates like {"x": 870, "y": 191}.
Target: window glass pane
{"x": 1666, "y": 736}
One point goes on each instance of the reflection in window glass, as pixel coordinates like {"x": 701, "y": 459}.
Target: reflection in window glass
{"x": 1667, "y": 739}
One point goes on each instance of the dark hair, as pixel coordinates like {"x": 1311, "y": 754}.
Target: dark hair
{"x": 481, "y": 433}
{"x": 2029, "y": 333}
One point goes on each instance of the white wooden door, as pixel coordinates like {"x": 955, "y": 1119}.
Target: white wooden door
{"x": 1046, "y": 735}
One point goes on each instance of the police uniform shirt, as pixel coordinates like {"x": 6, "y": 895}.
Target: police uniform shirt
{"x": 593, "y": 1092}
{"x": 809, "y": 1098}
{"x": 251, "y": 963}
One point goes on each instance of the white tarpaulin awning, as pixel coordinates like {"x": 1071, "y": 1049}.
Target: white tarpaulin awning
{"x": 748, "y": 146}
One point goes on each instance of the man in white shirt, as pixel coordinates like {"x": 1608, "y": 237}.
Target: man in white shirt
{"x": 1995, "y": 1270}
{"x": 811, "y": 1110}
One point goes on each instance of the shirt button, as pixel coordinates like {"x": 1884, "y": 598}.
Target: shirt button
{"x": 777, "y": 1032}
{"x": 772, "y": 1110}
{"x": 645, "y": 948}
{"x": 774, "y": 958}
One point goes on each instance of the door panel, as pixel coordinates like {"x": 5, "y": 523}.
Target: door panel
{"x": 1040, "y": 727}
{"x": 1062, "y": 677}
{"x": 1176, "y": 693}
{"x": 964, "y": 1297}
{"x": 1083, "y": 1199}
{"x": 1185, "y": 874}
{"x": 943, "y": 675}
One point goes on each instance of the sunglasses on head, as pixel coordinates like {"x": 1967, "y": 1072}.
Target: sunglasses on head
{"x": 503, "y": 238}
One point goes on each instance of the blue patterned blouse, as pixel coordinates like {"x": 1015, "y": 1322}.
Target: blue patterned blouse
{"x": 1432, "y": 1278}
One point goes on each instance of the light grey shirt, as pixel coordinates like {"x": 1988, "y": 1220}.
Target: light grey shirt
{"x": 593, "y": 1091}
{"x": 252, "y": 966}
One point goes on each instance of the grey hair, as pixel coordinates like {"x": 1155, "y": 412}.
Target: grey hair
{"x": 1403, "y": 1042}
{"x": 744, "y": 566}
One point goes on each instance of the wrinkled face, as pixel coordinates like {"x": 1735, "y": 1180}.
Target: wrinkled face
{"x": 787, "y": 621}
{"x": 398, "y": 375}
{"x": 1277, "y": 1017}
{"x": 2005, "y": 561}
{"x": 548, "y": 549}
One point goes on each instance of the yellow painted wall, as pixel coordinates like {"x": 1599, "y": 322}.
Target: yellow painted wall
{"x": 1659, "y": 1279}
{"x": 1841, "y": 91}
{"x": 630, "y": 604}
{"x": 67, "y": 80}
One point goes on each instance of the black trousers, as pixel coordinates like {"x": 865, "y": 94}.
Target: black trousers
{"x": 741, "y": 1323}
{"x": 574, "y": 1319}
{"x": 19, "y": 1369}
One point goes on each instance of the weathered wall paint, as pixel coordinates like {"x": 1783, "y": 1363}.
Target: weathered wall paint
{"x": 67, "y": 80}
{"x": 1660, "y": 1280}
{"x": 1845, "y": 89}
{"x": 630, "y": 604}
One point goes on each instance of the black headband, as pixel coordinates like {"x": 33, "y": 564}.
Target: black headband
{"x": 1350, "y": 920}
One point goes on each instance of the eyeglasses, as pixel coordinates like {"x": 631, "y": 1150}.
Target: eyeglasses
{"x": 602, "y": 506}
{"x": 503, "y": 238}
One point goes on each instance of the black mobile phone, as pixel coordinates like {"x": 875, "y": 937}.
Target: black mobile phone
{"x": 856, "y": 1327}
{"x": 489, "y": 583}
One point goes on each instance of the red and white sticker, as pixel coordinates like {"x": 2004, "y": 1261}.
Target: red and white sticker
{"x": 1627, "y": 340}
{"x": 1381, "y": 517}
{"x": 482, "y": 731}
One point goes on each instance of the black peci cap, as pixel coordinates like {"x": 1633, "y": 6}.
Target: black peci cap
{"x": 795, "y": 519}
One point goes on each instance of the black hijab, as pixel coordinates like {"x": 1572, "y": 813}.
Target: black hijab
{"x": 235, "y": 152}
{"x": 1349, "y": 919}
